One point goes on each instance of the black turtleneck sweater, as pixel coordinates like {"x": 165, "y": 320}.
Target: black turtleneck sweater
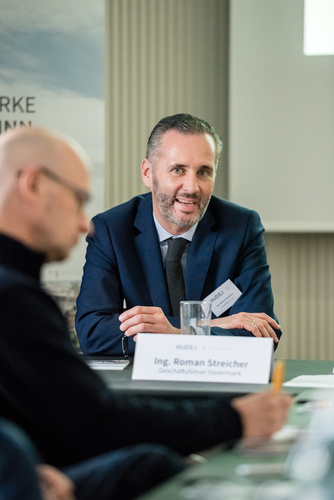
{"x": 48, "y": 390}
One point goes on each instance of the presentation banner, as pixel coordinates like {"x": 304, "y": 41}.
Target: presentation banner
{"x": 52, "y": 75}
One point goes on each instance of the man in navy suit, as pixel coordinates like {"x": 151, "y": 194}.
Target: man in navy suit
{"x": 124, "y": 289}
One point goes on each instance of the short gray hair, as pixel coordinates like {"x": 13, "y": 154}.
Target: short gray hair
{"x": 186, "y": 124}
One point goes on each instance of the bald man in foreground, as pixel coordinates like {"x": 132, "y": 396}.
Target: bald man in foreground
{"x": 127, "y": 444}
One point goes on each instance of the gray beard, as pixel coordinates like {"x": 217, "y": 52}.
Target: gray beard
{"x": 165, "y": 203}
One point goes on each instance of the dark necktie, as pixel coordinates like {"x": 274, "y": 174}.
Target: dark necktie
{"x": 174, "y": 274}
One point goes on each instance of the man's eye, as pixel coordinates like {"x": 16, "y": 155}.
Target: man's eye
{"x": 204, "y": 173}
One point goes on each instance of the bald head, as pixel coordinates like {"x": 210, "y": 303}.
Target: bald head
{"x": 44, "y": 180}
{"x": 21, "y": 147}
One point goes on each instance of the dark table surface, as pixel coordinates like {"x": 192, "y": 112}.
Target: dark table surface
{"x": 120, "y": 380}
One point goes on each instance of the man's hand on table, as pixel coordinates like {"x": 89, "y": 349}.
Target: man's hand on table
{"x": 146, "y": 319}
{"x": 262, "y": 414}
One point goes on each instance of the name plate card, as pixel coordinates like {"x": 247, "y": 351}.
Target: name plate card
{"x": 201, "y": 358}
{"x": 223, "y": 297}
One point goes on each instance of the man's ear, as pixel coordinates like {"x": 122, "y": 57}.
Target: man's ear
{"x": 146, "y": 173}
{"x": 29, "y": 182}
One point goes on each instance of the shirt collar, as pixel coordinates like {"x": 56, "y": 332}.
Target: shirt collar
{"x": 165, "y": 235}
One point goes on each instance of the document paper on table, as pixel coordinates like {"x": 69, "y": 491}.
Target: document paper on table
{"x": 314, "y": 381}
{"x": 110, "y": 364}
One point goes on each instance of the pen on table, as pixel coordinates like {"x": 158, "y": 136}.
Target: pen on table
{"x": 125, "y": 346}
{"x": 278, "y": 376}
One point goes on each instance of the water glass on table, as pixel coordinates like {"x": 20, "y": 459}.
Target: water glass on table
{"x": 195, "y": 317}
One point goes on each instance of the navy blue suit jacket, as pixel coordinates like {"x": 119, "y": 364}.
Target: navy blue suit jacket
{"x": 124, "y": 266}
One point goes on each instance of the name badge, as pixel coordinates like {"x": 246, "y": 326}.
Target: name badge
{"x": 202, "y": 358}
{"x": 223, "y": 297}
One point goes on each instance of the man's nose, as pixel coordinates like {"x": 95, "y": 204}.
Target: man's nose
{"x": 84, "y": 225}
{"x": 91, "y": 228}
{"x": 190, "y": 183}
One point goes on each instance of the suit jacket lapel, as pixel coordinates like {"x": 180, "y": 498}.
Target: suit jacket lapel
{"x": 149, "y": 255}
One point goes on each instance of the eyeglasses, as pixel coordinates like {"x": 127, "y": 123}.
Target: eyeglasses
{"x": 81, "y": 195}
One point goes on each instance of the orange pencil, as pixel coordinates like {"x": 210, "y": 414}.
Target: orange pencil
{"x": 278, "y": 376}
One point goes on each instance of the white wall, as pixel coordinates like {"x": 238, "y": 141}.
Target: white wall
{"x": 281, "y": 125}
